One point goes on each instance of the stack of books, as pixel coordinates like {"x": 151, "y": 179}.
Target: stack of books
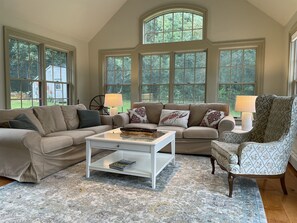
{"x": 121, "y": 164}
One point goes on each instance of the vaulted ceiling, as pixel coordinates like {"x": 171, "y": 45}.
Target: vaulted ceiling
{"x": 84, "y": 18}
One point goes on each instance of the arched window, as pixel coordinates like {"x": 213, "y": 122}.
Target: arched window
{"x": 174, "y": 25}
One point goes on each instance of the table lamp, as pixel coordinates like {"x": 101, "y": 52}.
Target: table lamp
{"x": 246, "y": 105}
{"x": 113, "y": 101}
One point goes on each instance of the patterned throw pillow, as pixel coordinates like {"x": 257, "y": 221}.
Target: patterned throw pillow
{"x": 174, "y": 117}
{"x": 212, "y": 118}
{"x": 138, "y": 115}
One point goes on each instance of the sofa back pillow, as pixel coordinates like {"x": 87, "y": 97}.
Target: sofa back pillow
{"x": 51, "y": 118}
{"x": 22, "y": 122}
{"x": 212, "y": 118}
{"x": 9, "y": 114}
{"x": 71, "y": 116}
{"x": 153, "y": 110}
{"x": 88, "y": 118}
{"x": 137, "y": 115}
{"x": 197, "y": 111}
{"x": 174, "y": 118}
{"x": 173, "y": 106}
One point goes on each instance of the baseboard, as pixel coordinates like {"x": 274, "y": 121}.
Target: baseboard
{"x": 293, "y": 160}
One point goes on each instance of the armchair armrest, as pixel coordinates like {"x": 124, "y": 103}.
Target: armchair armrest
{"x": 120, "y": 120}
{"x": 226, "y": 124}
{"x": 264, "y": 158}
{"x": 17, "y": 150}
{"x": 233, "y": 137}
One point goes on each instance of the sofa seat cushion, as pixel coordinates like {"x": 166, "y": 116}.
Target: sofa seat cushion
{"x": 179, "y": 130}
{"x": 51, "y": 118}
{"x": 78, "y": 136}
{"x": 96, "y": 129}
{"x": 198, "y": 132}
{"x": 141, "y": 125}
{"x": 53, "y": 143}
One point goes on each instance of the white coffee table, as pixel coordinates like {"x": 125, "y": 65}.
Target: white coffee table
{"x": 140, "y": 148}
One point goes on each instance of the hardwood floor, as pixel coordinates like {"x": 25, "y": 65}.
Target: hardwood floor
{"x": 279, "y": 208}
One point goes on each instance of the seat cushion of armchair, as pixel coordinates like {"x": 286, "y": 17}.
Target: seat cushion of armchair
{"x": 78, "y": 136}
{"x": 179, "y": 130}
{"x": 54, "y": 143}
{"x": 199, "y": 132}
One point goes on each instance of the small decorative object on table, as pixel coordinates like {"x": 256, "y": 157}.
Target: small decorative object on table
{"x": 136, "y": 130}
{"x": 121, "y": 164}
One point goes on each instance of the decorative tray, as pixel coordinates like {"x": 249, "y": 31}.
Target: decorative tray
{"x": 137, "y": 130}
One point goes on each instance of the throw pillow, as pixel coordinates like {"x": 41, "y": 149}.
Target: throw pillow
{"x": 212, "y": 118}
{"x": 138, "y": 115}
{"x": 174, "y": 117}
{"x": 22, "y": 122}
{"x": 88, "y": 118}
{"x": 4, "y": 125}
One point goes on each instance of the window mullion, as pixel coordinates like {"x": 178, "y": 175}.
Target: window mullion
{"x": 42, "y": 74}
{"x": 171, "y": 76}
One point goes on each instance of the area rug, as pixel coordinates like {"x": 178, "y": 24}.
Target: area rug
{"x": 186, "y": 192}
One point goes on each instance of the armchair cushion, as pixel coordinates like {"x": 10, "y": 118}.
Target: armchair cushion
{"x": 227, "y": 150}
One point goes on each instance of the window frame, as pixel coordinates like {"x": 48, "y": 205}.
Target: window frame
{"x": 172, "y": 8}
{"x": 42, "y": 42}
{"x": 292, "y": 76}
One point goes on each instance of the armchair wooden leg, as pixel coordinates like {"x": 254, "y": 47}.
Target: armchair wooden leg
{"x": 212, "y": 160}
{"x": 230, "y": 181}
{"x": 283, "y": 183}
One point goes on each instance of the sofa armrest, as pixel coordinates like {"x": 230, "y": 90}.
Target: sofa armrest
{"x": 226, "y": 124}
{"x": 18, "y": 148}
{"x": 121, "y": 119}
{"x": 106, "y": 120}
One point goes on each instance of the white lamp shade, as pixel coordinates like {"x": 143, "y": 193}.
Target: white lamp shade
{"x": 245, "y": 103}
{"x": 113, "y": 100}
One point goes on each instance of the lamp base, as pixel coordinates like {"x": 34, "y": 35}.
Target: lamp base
{"x": 113, "y": 111}
{"x": 246, "y": 121}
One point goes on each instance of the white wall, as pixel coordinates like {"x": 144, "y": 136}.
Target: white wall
{"x": 227, "y": 20}
{"x": 292, "y": 24}
{"x": 81, "y": 50}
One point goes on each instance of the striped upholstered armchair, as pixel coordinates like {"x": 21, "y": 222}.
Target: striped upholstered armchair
{"x": 265, "y": 150}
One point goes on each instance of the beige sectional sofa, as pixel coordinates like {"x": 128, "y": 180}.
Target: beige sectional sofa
{"x": 28, "y": 156}
{"x": 194, "y": 139}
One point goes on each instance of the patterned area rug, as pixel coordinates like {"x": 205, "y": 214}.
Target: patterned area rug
{"x": 186, "y": 192}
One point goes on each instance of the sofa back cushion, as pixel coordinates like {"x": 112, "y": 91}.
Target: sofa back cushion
{"x": 10, "y": 114}
{"x": 172, "y": 106}
{"x": 153, "y": 110}
{"x": 51, "y": 118}
{"x": 70, "y": 115}
{"x": 197, "y": 111}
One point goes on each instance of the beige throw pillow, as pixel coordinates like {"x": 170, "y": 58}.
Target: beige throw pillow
{"x": 174, "y": 118}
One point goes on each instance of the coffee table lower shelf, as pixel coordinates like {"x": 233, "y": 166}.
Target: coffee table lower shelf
{"x": 142, "y": 167}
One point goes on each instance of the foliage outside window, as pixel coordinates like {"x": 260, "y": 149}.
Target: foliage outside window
{"x": 37, "y": 74}
{"x": 118, "y": 78}
{"x": 189, "y": 77}
{"x": 155, "y": 78}
{"x": 174, "y": 26}
{"x": 237, "y": 75}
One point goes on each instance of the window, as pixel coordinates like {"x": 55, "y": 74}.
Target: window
{"x": 118, "y": 78}
{"x": 155, "y": 78}
{"x": 189, "y": 77}
{"x": 293, "y": 65}
{"x": 25, "y": 78}
{"x": 38, "y": 70}
{"x": 237, "y": 75}
{"x": 173, "y": 26}
{"x": 57, "y": 81}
